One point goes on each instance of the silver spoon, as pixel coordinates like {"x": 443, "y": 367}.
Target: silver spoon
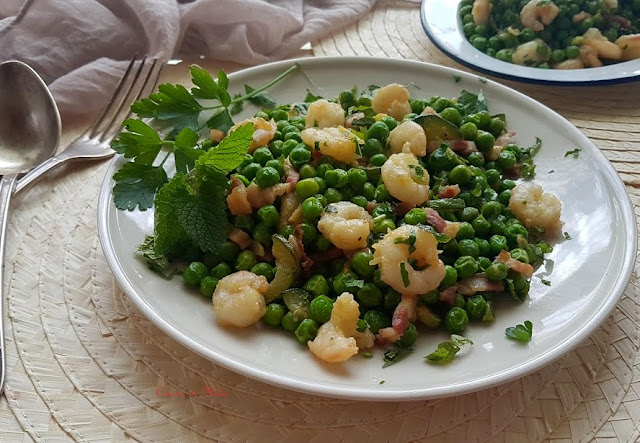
{"x": 29, "y": 134}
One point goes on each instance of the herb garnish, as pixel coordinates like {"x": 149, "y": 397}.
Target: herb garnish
{"x": 448, "y": 349}
{"x": 520, "y": 333}
{"x": 566, "y": 235}
{"x": 545, "y": 282}
{"x": 404, "y": 274}
{"x": 574, "y": 153}
{"x": 395, "y": 355}
{"x": 411, "y": 241}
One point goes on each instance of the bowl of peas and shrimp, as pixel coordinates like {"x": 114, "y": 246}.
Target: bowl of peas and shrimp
{"x": 543, "y": 40}
{"x": 388, "y": 227}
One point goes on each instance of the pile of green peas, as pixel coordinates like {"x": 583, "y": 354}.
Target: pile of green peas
{"x": 562, "y": 37}
{"x": 486, "y": 228}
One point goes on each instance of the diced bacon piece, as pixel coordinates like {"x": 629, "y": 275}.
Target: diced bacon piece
{"x": 523, "y": 268}
{"x": 449, "y": 191}
{"x": 240, "y": 238}
{"x": 237, "y": 200}
{"x": 452, "y": 228}
{"x": 435, "y": 220}
{"x": 478, "y": 283}
{"x": 505, "y": 138}
{"x": 448, "y": 295}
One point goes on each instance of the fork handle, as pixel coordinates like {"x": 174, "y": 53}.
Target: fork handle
{"x": 7, "y": 185}
{"x": 34, "y": 175}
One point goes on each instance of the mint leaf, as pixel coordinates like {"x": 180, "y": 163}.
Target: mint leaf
{"x": 204, "y": 220}
{"x": 228, "y": 155}
{"x": 447, "y": 350}
{"x": 157, "y": 262}
{"x": 184, "y": 150}
{"x": 167, "y": 229}
{"x": 141, "y": 142}
{"x": 221, "y": 120}
{"x": 521, "y": 333}
{"x": 136, "y": 185}
{"x": 395, "y": 355}
{"x": 260, "y": 98}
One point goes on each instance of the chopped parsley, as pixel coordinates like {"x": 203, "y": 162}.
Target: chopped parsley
{"x": 404, "y": 274}
{"x": 566, "y": 235}
{"x": 411, "y": 241}
{"x": 393, "y": 356}
{"x": 457, "y": 78}
{"x": 574, "y": 153}
{"x": 448, "y": 349}
{"x": 521, "y": 333}
{"x": 545, "y": 282}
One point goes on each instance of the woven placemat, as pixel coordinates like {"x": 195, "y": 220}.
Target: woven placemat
{"x": 85, "y": 365}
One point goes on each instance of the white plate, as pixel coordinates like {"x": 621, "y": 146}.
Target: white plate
{"x": 443, "y": 25}
{"x": 589, "y": 274}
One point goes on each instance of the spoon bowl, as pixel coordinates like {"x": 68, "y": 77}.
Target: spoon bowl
{"x": 29, "y": 134}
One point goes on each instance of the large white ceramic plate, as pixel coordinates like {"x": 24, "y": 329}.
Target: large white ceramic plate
{"x": 587, "y": 273}
{"x": 442, "y": 24}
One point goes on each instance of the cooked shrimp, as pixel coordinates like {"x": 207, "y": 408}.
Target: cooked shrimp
{"x": 533, "y": 207}
{"x": 263, "y": 133}
{"x": 259, "y": 197}
{"x": 630, "y": 46}
{"x": 238, "y": 299}
{"x": 536, "y": 14}
{"x": 398, "y": 261}
{"x": 480, "y": 12}
{"x": 324, "y": 114}
{"x": 408, "y": 132}
{"x": 405, "y": 179}
{"x": 528, "y": 53}
{"x": 572, "y": 63}
{"x": 346, "y": 225}
{"x": 606, "y": 49}
{"x": 580, "y": 17}
{"x": 612, "y": 5}
{"x": 337, "y": 339}
{"x": 393, "y": 100}
{"x": 589, "y": 57}
{"x": 338, "y": 143}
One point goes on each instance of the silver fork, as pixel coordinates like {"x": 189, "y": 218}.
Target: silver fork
{"x": 94, "y": 143}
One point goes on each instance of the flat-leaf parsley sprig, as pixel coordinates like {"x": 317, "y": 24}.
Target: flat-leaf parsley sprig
{"x": 137, "y": 182}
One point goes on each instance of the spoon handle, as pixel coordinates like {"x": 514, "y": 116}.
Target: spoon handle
{"x": 7, "y": 185}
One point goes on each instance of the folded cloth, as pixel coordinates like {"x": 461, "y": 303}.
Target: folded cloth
{"x": 80, "y": 47}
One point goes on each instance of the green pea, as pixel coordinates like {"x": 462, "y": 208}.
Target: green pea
{"x": 370, "y": 295}
{"x": 306, "y": 331}
{"x": 299, "y": 156}
{"x": 323, "y": 243}
{"x": 497, "y": 227}
{"x": 432, "y": 297}
{"x": 368, "y": 191}
{"x": 391, "y": 299}
{"x": 347, "y": 99}
{"x": 360, "y": 264}
{"x": 360, "y": 201}
{"x": 262, "y": 234}
{"x": 469, "y": 131}
{"x": 267, "y": 176}
{"x": 289, "y": 146}
{"x": 311, "y": 208}
{"x": 207, "y": 286}
{"x": 526, "y": 35}
{"x": 496, "y": 126}
{"x": 378, "y": 159}
{"x": 262, "y": 155}
{"x": 320, "y": 309}
{"x": 468, "y": 214}
{"x": 264, "y": 269}
{"x": 505, "y": 55}
{"x": 340, "y": 282}
{"x": 442, "y": 103}
{"x": 476, "y": 307}
{"x": 251, "y": 170}
{"x": 390, "y": 122}
{"x": 322, "y": 184}
{"x": 286, "y": 231}
{"x": 274, "y": 315}
{"x": 309, "y": 233}
{"x": 379, "y": 131}
{"x": 506, "y": 159}
{"x": 276, "y": 147}
{"x": 382, "y": 194}
{"x": 336, "y": 178}
{"x": 469, "y": 27}
{"x": 520, "y": 255}
{"x": 322, "y": 169}
{"x": 307, "y": 171}
{"x": 498, "y": 243}
{"x": 461, "y": 174}
{"x": 417, "y": 105}
{"x": 229, "y": 251}
{"x": 290, "y": 322}
{"x": 372, "y": 147}
{"x": 337, "y": 265}
{"x": 289, "y": 128}
{"x": 451, "y": 114}
{"x": 466, "y": 266}
{"x": 244, "y": 222}
{"x": 279, "y": 114}
{"x": 293, "y": 136}
{"x": 481, "y": 226}
{"x": 515, "y": 149}
{"x": 376, "y": 320}
{"x": 507, "y": 184}
{"x": 468, "y": 247}
{"x": 483, "y": 263}
{"x": 269, "y": 215}
{"x": 465, "y": 231}
{"x": 245, "y": 261}
{"x": 317, "y": 285}
{"x": 357, "y": 177}
{"x": 194, "y": 273}
{"x": 221, "y": 270}
{"x": 491, "y": 210}
{"x": 573, "y": 51}
{"x": 511, "y": 232}
{"x": 382, "y": 226}
{"x": 415, "y": 216}
{"x": 333, "y": 195}
{"x": 450, "y": 277}
{"x": 409, "y": 337}
{"x": 497, "y": 271}
{"x": 456, "y": 320}
{"x": 306, "y": 188}
{"x": 484, "y": 141}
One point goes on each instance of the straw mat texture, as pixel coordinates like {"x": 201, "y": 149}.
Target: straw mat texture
{"x": 85, "y": 365}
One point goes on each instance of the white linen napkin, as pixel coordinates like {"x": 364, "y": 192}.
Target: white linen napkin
{"x": 80, "y": 47}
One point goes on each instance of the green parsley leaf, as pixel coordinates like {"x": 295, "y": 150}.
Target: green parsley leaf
{"x": 545, "y": 282}
{"x": 351, "y": 282}
{"x": 411, "y": 241}
{"x": 566, "y": 235}
{"x": 260, "y": 98}
{"x": 221, "y": 120}
{"x": 521, "y": 333}
{"x": 362, "y": 325}
{"x": 310, "y": 97}
{"x": 184, "y": 152}
{"x": 472, "y": 103}
{"x": 136, "y": 185}
{"x": 236, "y": 105}
{"x": 482, "y": 79}
{"x": 141, "y": 142}
{"x": 157, "y": 263}
{"x": 404, "y": 274}
{"x": 207, "y": 87}
{"x": 574, "y": 153}
{"x": 527, "y": 168}
{"x": 167, "y": 229}
{"x": 447, "y": 350}
{"x": 367, "y": 354}
{"x": 173, "y": 103}
{"x": 381, "y": 382}
{"x": 393, "y": 356}
{"x": 457, "y": 78}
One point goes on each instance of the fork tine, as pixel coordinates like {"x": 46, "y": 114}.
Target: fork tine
{"x": 147, "y": 86}
{"x": 117, "y": 105}
{"x": 115, "y": 94}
